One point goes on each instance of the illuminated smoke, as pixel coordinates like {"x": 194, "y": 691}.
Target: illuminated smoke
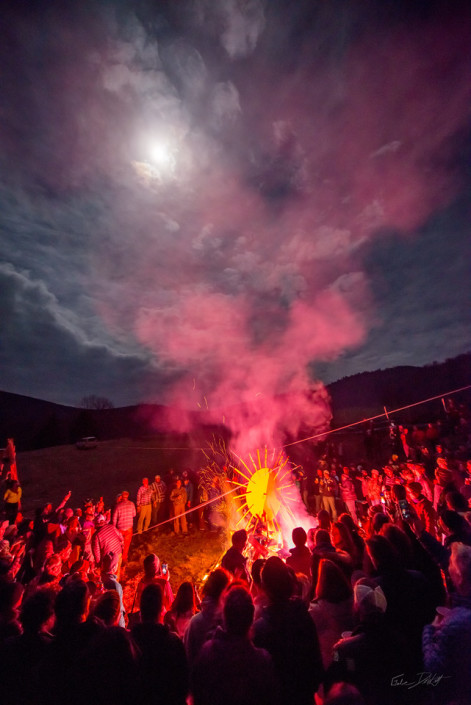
{"x": 233, "y": 254}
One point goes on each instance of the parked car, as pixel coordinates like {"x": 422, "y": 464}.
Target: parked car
{"x": 87, "y": 442}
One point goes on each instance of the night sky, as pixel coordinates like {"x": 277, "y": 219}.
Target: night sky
{"x": 209, "y": 201}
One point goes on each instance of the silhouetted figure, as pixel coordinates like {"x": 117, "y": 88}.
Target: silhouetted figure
{"x": 230, "y": 669}
{"x": 287, "y": 632}
{"x": 162, "y": 665}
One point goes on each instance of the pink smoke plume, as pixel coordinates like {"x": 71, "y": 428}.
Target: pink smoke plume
{"x": 249, "y": 288}
{"x": 237, "y": 277}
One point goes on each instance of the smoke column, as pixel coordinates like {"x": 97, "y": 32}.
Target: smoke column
{"x": 231, "y": 163}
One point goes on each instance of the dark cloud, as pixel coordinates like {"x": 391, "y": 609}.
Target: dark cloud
{"x": 196, "y": 197}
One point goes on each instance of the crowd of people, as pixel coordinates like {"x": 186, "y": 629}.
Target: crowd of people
{"x": 371, "y": 604}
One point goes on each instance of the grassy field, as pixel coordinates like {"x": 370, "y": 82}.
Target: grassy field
{"x": 47, "y": 475}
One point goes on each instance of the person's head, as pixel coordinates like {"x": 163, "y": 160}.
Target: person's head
{"x": 53, "y": 566}
{"x": 37, "y": 611}
{"x": 311, "y": 533}
{"x": 414, "y": 490}
{"x": 456, "y": 502}
{"x": 442, "y": 463}
{"x": 375, "y": 474}
{"x": 185, "y": 599}
{"x": 107, "y": 561}
{"x": 346, "y": 471}
{"x": 332, "y": 585}
{"x": 80, "y": 568}
{"x": 344, "y": 694}
{"x": 299, "y": 537}
{"x": 239, "y": 539}
{"x": 369, "y": 601}
{"x": 399, "y": 541}
{"x": 257, "y": 566}
{"x": 407, "y": 474}
{"x": 216, "y": 583}
{"x": 64, "y": 546}
{"x": 276, "y": 580}
{"x": 124, "y": 495}
{"x": 145, "y": 481}
{"x": 322, "y": 539}
{"x": 382, "y": 555}
{"x": 108, "y": 608}
{"x": 100, "y": 520}
{"x": 341, "y": 537}
{"x": 460, "y": 568}
{"x": 178, "y": 483}
{"x": 326, "y": 474}
{"x": 72, "y": 604}
{"x": 323, "y": 517}
{"x": 151, "y": 565}
{"x": 157, "y": 478}
{"x": 347, "y": 520}
{"x": 379, "y": 520}
{"x": 238, "y": 611}
{"x": 398, "y": 492}
{"x": 151, "y": 603}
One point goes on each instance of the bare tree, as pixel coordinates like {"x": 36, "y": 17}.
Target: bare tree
{"x": 94, "y": 402}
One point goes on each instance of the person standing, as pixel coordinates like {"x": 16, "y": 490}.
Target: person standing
{"x": 348, "y": 493}
{"x": 12, "y": 498}
{"x": 144, "y": 505}
{"x": 123, "y": 518}
{"x": 159, "y": 489}
{"x": 178, "y": 499}
{"x": 328, "y": 489}
{"x": 189, "y": 489}
{"x": 107, "y": 540}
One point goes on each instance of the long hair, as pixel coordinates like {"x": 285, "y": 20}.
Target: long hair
{"x": 332, "y": 585}
{"x": 185, "y": 599}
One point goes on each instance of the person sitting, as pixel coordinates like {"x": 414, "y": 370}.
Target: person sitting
{"x": 230, "y": 669}
{"x": 300, "y": 558}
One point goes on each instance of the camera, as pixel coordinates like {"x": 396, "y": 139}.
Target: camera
{"x": 164, "y": 568}
{"x": 404, "y": 508}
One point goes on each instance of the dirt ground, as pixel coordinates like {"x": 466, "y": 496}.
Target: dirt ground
{"x": 189, "y": 558}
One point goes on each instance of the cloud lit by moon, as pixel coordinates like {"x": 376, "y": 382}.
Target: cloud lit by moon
{"x": 206, "y": 191}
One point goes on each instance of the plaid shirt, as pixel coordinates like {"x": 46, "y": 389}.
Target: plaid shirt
{"x": 123, "y": 515}
{"x": 107, "y": 540}
{"x": 144, "y": 496}
{"x": 159, "y": 489}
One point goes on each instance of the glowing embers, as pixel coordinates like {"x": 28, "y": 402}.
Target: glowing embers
{"x": 268, "y": 490}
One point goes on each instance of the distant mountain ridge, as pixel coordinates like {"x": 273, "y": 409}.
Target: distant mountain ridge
{"x": 35, "y": 423}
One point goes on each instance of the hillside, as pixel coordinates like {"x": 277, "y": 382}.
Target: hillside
{"x": 38, "y": 424}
